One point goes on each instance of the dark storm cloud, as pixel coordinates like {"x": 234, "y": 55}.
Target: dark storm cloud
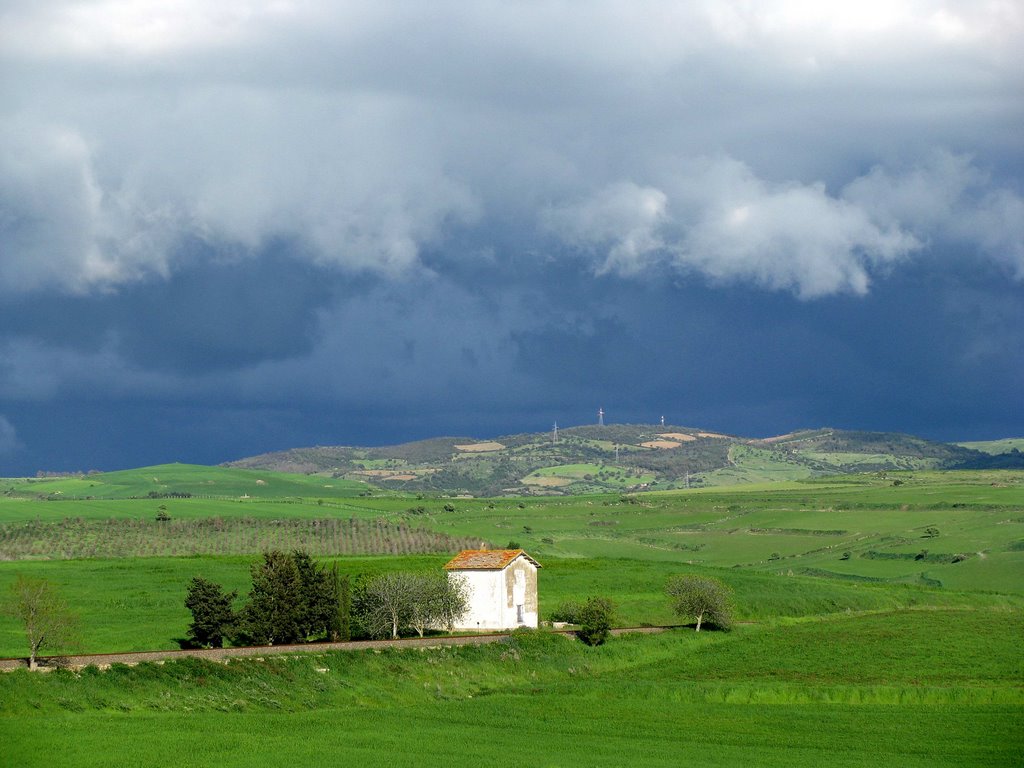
{"x": 215, "y": 315}
{"x": 278, "y": 223}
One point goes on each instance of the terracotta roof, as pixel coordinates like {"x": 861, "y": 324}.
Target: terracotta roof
{"x": 485, "y": 559}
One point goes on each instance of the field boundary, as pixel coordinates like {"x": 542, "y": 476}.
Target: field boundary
{"x": 104, "y": 660}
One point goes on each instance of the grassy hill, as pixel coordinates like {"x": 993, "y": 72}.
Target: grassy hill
{"x": 879, "y": 614}
{"x": 997, "y": 447}
{"x": 182, "y": 481}
{"x": 621, "y": 457}
{"x": 816, "y": 544}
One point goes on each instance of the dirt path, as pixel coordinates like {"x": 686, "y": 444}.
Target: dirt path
{"x": 103, "y": 660}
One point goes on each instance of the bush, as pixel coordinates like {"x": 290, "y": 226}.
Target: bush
{"x": 595, "y": 620}
{"x": 569, "y": 611}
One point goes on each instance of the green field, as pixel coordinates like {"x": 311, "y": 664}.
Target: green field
{"x": 880, "y": 614}
{"x": 911, "y": 687}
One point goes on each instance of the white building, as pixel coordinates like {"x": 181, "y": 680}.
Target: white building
{"x": 502, "y": 587}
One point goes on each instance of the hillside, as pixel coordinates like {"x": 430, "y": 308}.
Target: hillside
{"x": 621, "y": 457}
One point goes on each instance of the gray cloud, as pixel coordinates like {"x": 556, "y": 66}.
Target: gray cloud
{"x": 372, "y": 134}
{"x": 947, "y": 198}
{"x": 723, "y": 221}
{"x": 249, "y": 216}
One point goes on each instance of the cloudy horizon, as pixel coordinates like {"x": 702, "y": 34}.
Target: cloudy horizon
{"x": 261, "y": 224}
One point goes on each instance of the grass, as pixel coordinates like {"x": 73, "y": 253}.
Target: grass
{"x": 877, "y": 655}
{"x": 597, "y": 476}
{"x": 996, "y": 447}
{"x": 134, "y": 604}
{"x": 166, "y": 479}
{"x": 922, "y": 688}
{"x": 809, "y": 525}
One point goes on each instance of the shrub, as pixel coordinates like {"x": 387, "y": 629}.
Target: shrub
{"x": 595, "y": 620}
{"x": 568, "y": 611}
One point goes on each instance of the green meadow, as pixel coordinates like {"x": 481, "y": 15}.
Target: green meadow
{"x": 880, "y": 617}
{"x": 918, "y": 688}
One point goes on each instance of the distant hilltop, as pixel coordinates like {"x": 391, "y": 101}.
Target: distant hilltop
{"x": 630, "y": 458}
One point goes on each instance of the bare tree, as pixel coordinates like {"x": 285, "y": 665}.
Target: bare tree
{"x": 48, "y": 621}
{"x": 438, "y": 601}
{"x": 387, "y": 603}
{"x": 399, "y": 600}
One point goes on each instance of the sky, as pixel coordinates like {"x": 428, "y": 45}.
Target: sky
{"x": 244, "y": 226}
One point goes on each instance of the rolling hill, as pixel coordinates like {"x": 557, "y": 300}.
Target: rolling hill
{"x": 622, "y": 457}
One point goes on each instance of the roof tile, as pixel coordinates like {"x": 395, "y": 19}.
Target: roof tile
{"x": 485, "y": 559}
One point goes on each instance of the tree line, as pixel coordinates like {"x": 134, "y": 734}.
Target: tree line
{"x": 294, "y": 599}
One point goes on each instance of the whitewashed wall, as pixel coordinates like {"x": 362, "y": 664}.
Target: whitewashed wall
{"x": 503, "y": 599}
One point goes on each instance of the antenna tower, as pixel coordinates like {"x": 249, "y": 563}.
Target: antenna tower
{"x": 600, "y": 417}
{"x": 554, "y": 434}
{"x": 663, "y": 421}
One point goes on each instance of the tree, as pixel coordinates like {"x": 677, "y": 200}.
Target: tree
{"x": 437, "y": 601}
{"x": 341, "y": 624}
{"x": 273, "y": 613}
{"x": 293, "y": 599}
{"x": 452, "y": 601}
{"x": 318, "y": 605}
{"x": 213, "y": 617}
{"x": 385, "y": 603}
{"x": 595, "y": 620}
{"x": 701, "y": 597}
{"x": 47, "y": 620}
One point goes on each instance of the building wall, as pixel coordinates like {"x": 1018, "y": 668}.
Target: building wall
{"x": 495, "y": 597}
